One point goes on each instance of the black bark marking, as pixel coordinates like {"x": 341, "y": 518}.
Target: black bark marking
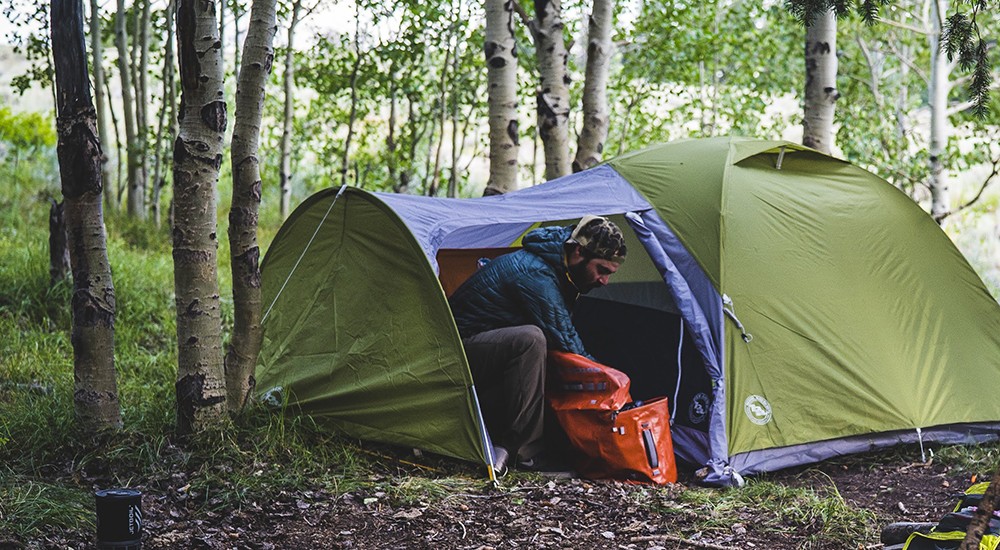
{"x": 80, "y": 154}
{"x": 214, "y": 116}
{"x": 243, "y": 217}
{"x": 91, "y": 396}
{"x": 819, "y": 48}
{"x": 187, "y": 55}
{"x": 512, "y": 131}
{"x": 186, "y": 256}
{"x": 191, "y": 397}
{"x": 247, "y": 267}
{"x": 89, "y": 311}
{"x": 193, "y": 310}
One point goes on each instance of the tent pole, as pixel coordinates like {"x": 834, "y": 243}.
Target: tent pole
{"x": 308, "y": 244}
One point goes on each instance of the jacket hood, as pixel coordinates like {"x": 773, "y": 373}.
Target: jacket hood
{"x": 547, "y": 243}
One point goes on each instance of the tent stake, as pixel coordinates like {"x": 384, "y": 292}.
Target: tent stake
{"x": 920, "y": 438}
{"x": 781, "y": 157}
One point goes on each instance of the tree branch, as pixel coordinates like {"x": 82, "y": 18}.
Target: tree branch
{"x": 873, "y": 81}
{"x": 982, "y": 188}
{"x": 527, "y": 20}
{"x": 909, "y": 63}
{"x": 904, "y": 26}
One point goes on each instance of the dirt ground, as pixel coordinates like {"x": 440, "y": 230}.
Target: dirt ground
{"x": 527, "y": 511}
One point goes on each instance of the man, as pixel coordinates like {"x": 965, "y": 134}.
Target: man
{"x": 518, "y": 306}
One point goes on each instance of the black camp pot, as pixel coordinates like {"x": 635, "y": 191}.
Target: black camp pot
{"x": 119, "y": 519}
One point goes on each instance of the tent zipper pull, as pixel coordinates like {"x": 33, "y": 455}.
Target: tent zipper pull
{"x": 730, "y": 311}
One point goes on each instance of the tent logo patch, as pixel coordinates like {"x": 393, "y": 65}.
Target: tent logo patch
{"x": 758, "y": 410}
{"x": 698, "y": 410}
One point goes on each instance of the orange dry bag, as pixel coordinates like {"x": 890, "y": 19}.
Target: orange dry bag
{"x": 612, "y": 436}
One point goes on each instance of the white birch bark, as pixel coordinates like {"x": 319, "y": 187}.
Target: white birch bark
{"x": 197, "y": 157}
{"x": 258, "y": 58}
{"x": 435, "y": 175}
{"x": 938, "y": 89}
{"x": 821, "y": 82}
{"x": 97, "y": 59}
{"x": 237, "y": 14}
{"x": 95, "y": 394}
{"x": 590, "y": 145}
{"x": 501, "y": 63}
{"x": 289, "y": 109}
{"x": 553, "y": 91}
{"x": 136, "y": 188}
{"x": 142, "y": 96}
{"x": 162, "y": 125}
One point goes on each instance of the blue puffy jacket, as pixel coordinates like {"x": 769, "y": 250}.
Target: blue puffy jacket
{"x": 527, "y": 287}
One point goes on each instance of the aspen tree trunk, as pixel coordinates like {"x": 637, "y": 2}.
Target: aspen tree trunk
{"x": 453, "y": 176}
{"x": 286, "y": 128}
{"x": 443, "y": 100}
{"x": 142, "y": 95}
{"x": 174, "y": 131}
{"x": 553, "y": 92}
{"x": 119, "y": 183}
{"x": 136, "y": 188}
{"x": 169, "y": 100}
{"x": 237, "y": 13}
{"x": 197, "y": 158}
{"x": 241, "y": 358}
{"x": 411, "y": 125}
{"x": 821, "y": 82}
{"x": 95, "y": 396}
{"x": 222, "y": 30}
{"x": 97, "y": 54}
{"x": 501, "y": 65}
{"x": 390, "y": 140}
{"x": 590, "y": 145}
{"x": 352, "y": 118}
{"x": 430, "y": 186}
{"x": 939, "y": 86}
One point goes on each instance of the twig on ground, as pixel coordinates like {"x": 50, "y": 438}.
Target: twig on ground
{"x": 688, "y": 542}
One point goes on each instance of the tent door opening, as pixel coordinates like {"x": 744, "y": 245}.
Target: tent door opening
{"x": 643, "y": 343}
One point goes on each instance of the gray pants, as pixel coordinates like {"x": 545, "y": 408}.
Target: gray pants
{"x": 508, "y": 367}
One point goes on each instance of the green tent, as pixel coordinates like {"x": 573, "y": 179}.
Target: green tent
{"x": 792, "y": 306}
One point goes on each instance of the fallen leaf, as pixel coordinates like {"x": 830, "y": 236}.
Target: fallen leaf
{"x": 408, "y": 514}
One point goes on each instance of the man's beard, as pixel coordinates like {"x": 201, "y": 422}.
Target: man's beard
{"x": 578, "y": 274}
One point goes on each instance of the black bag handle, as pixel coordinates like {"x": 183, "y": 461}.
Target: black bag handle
{"x": 650, "y": 444}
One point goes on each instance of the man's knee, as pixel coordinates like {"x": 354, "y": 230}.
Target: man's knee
{"x": 528, "y": 339}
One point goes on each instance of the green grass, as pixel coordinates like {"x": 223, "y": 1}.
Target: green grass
{"x": 46, "y": 481}
{"x": 820, "y": 512}
{"x": 29, "y": 506}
